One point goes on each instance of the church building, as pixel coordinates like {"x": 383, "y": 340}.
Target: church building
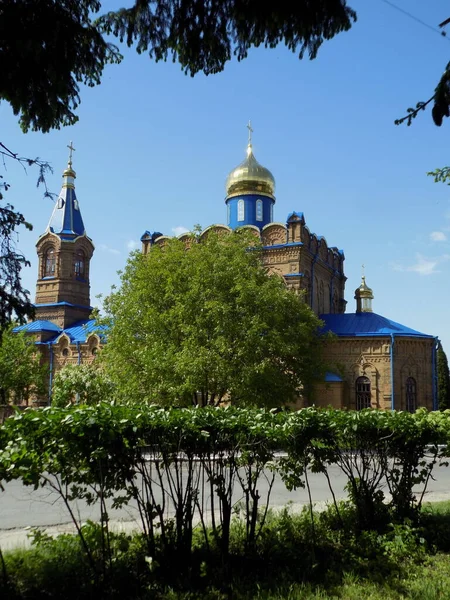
{"x": 373, "y": 361}
{"x": 62, "y": 329}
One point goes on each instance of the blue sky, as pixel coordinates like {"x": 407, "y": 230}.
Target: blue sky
{"x": 154, "y": 147}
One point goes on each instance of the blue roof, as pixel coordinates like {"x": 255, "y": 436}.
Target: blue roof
{"x": 367, "y": 324}
{"x": 66, "y": 220}
{"x": 79, "y": 332}
{"x": 330, "y": 377}
{"x": 294, "y": 215}
{"x": 39, "y": 325}
{"x": 62, "y": 304}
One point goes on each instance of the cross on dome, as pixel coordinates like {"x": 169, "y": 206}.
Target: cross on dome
{"x": 250, "y": 131}
{"x": 71, "y": 149}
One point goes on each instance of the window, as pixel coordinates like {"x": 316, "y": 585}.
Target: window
{"x": 259, "y": 210}
{"x": 271, "y": 213}
{"x": 50, "y": 263}
{"x": 228, "y": 214}
{"x": 79, "y": 264}
{"x": 241, "y": 210}
{"x": 411, "y": 394}
{"x": 65, "y": 352}
{"x": 362, "y": 389}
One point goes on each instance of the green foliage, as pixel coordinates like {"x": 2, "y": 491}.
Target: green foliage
{"x": 441, "y": 175}
{"x": 443, "y": 379}
{"x": 203, "y": 36}
{"x": 282, "y": 565}
{"x": 14, "y": 299}
{"x": 66, "y": 46}
{"x": 63, "y": 49}
{"x": 441, "y": 106}
{"x": 81, "y": 384}
{"x": 182, "y": 465}
{"x": 57, "y": 568}
{"x": 21, "y": 371}
{"x": 207, "y": 325}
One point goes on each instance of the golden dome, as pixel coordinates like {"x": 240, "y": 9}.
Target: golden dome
{"x": 250, "y": 178}
{"x": 363, "y": 297}
{"x": 364, "y": 290}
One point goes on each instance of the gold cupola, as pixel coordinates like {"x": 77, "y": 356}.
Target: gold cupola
{"x": 363, "y": 297}
{"x": 69, "y": 174}
{"x": 250, "y": 177}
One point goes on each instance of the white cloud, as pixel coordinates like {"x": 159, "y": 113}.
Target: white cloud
{"x": 179, "y": 230}
{"x": 133, "y": 245}
{"x": 438, "y": 236}
{"x": 423, "y": 265}
{"x": 105, "y": 248}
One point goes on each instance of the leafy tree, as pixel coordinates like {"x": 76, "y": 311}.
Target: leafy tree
{"x": 441, "y": 175}
{"x": 440, "y": 99}
{"x": 443, "y": 377}
{"x": 208, "y": 323}
{"x": 47, "y": 48}
{"x": 15, "y": 303}
{"x": 66, "y": 46}
{"x": 21, "y": 373}
{"x": 81, "y": 384}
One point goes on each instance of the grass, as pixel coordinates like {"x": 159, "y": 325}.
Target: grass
{"x": 430, "y": 581}
{"x": 289, "y": 563}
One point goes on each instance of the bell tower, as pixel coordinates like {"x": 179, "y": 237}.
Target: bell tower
{"x": 64, "y": 252}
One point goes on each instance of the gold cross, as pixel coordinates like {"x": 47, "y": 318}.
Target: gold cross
{"x": 250, "y": 131}
{"x": 71, "y": 149}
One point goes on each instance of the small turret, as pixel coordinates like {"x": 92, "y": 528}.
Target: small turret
{"x": 363, "y": 297}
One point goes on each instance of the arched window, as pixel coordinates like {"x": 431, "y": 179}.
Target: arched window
{"x": 49, "y": 263}
{"x": 411, "y": 394}
{"x": 259, "y": 210}
{"x": 79, "y": 264}
{"x": 241, "y": 210}
{"x": 362, "y": 389}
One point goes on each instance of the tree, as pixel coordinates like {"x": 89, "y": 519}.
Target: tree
{"x": 201, "y": 321}
{"x": 440, "y": 98}
{"x": 65, "y": 46}
{"x": 15, "y": 303}
{"x": 81, "y": 384}
{"x": 21, "y": 373}
{"x": 443, "y": 379}
{"x": 47, "y": 48}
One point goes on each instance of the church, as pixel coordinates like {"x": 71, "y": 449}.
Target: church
{"x": 373, "y": 361}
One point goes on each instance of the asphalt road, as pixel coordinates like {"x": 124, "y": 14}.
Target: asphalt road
{"x": 22, "y": 508}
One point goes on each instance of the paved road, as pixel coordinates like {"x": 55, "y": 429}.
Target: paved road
{"x": 22, "y": 507}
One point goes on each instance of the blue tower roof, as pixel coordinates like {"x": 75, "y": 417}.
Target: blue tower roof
{"x": 66, "y": 220}
{"x": 366, "y": 324}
